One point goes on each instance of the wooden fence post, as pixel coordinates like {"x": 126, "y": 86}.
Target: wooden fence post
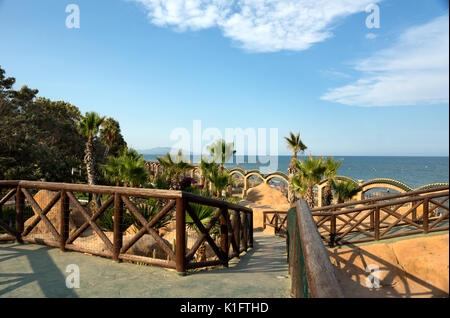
{"x": 250, "y": 227}
{"x": 118, "y": 216}
{"x": 245, "y": 230}
{"x": 425, "y": 215}
{"x": 181, "y": 236}
{"x": 372, "y": 221}
{"x": 224, "y": 247}
{"x": 20, "y": 206}
{"x": 237, "y": 231}
{"x": 377, "y": 224}
{"x": 264, "y": 220}
{"x": 64, "y": 211}
{"x": 332, "y": 230}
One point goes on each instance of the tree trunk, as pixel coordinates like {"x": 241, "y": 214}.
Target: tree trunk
{"x": 106, "y": 151}
{"x": 327, "y": 197}
{"x": 201, "y": 252}
{"x": 291, "y": 170}
{"x": 89, "y": 160}
{"x": 309, "y": 196}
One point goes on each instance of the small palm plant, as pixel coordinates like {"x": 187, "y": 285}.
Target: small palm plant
{"x": 174, "y": 169}
{"x": 331, "y": 172}
{"x": 150, "y": 208}
{"x": 127, "y": 169}
{"x": 220, "y": 181}
{"x": 206, "y": 168}
{"x": 345, "y": 190}
{"x": 296, "y": 145}
{"x": 204, "y": 214}
{"x": 113, "y": 170}
{"x": 309, "y": 172}
{"x": 221, "y": 152}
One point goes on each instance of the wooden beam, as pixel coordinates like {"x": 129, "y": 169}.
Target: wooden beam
{"x": 322, "y": 279}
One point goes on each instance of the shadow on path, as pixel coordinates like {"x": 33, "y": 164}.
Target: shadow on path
{"x": 44, "y": 272}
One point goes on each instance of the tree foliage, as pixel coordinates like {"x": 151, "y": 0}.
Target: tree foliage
{"x": 39, "y": 139}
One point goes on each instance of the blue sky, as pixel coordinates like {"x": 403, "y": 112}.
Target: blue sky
{"x": 158, "y": 65}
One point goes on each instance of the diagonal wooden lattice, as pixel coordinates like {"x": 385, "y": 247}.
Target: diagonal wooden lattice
{"x": 91, "y": 220}
{"x": 354, "y": 225}
{"x": 358, "y": 224}
{"x": 442, "y": 206}
{"x": 204, "y": 234}
{"x": 401, "y": 217}
{"x": 389, "y": 212}
{"x": 147, "y": 226}
{"x": 321, "y": 224}
{"x": 41, "y": 214}
{"x": 75, "y": 234}
{"x": 3, "y": 225}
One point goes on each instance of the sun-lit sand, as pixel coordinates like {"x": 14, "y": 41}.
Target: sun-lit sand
{"x": 409, "y": 267}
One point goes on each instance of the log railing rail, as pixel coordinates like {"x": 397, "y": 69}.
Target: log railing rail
{"x": 384, "y": 217}
{"x": 236, "y": 232}
{"x": 310, "y": 268}
{"x": 276, "y": 220}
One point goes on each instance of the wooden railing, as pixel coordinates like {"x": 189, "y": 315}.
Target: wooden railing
{"x": 235, "y": 231}
{"x": 312, "y": 274}
{"x": 276, "y": 220}
{"x": 384, "y": 217}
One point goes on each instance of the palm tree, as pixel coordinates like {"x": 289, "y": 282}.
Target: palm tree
{"x": 128, "y": 169}
{"x": 204, "y": 214}
{"x": 221, "y": 151}
{"x": 113, "y": 170}
{"x": 110, "y": 134}
{"x": 134, "y": 171}
{"x": 174, "y": 169}
{"x": 345, "y": 190}
{"x": 89, "y": 127}
{"x": 220, "y": 180}
{"x": 331, "y": 172}
{"x": 309, "y": 172}
{"x": 206, "y": 168}
{"x": 296, "y": 145}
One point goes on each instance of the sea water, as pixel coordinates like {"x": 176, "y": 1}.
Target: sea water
{"x": 414, "y": 171}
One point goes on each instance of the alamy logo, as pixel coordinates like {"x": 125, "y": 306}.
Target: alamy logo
{"x": 73, "y": 19}
{"x": 373, "y": 280}
{"x": 373, "y": 19}
{"x": 73, "y": 279}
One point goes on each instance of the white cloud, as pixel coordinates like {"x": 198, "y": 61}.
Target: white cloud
{"x": 414, "y": 71}
{"x": 257, "y": 25}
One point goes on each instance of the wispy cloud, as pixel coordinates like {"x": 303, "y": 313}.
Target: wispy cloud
{"x": 414, "y": 71}
{"x": 257, "y": 25}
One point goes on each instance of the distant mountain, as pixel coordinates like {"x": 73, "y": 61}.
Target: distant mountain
{"x": 155, "y": 151}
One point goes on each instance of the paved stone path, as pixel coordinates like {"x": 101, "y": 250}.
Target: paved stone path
{"x": 38, "y": 271}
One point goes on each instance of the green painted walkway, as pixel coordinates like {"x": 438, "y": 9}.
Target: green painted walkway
{"x": 39, "y": 271}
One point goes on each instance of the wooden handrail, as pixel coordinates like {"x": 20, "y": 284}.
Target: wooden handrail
{"x": 322, "y": 280}
{"x": 101, "y": 189}
{"x": 119, "y": 196}
{"x": 387, "y": 197}
{"x": 380, "y": 205}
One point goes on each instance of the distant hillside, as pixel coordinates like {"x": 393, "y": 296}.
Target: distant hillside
{"x": 155, "y": 151}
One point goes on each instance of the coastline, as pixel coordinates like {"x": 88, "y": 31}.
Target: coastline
{"x": 413, "y": 171}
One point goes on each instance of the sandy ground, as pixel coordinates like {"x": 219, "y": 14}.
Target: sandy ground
{"x": 407, "y": 267}
{"x": 264, "y": 198}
